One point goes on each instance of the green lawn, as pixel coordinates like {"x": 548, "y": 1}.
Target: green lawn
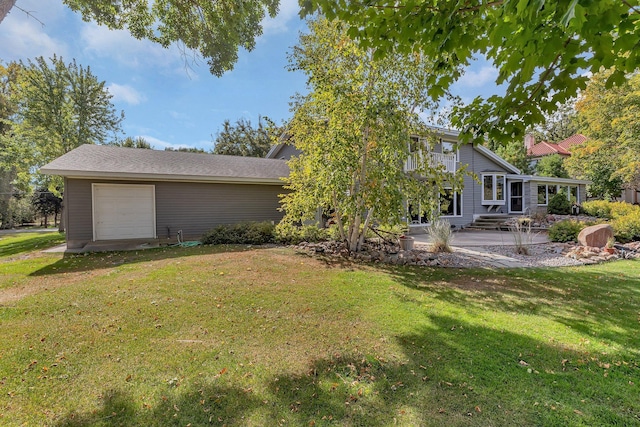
{"x": 242, "y": 336}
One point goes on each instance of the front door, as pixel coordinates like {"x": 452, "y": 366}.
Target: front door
{"x": 516, "y": 198}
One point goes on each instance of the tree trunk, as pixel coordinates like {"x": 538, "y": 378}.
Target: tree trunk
{"x": 61, "y": 225}
{"x": 5, "y": 7}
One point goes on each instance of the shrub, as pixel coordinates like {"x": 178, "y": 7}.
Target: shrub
{"x": 559, "y": 204}
{"x": 250, "y": 233}
{"x": 566, "y": 231}
{"x": 440, "y": 233}
{"x": 609, "y": 210}
{"x": 627, "y": 227}
{"x": 598, "y": 208}
{"x": 289, "y": 234}
{"x": 522, "y": 235}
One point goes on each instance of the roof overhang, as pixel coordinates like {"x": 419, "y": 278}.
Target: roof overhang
{"x": 160, "y": 177}
{"x": 548, "y": 179}
{"x": 499, "y": 160}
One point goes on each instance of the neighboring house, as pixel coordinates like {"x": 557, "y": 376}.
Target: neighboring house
{"x": 537, "y": 151}
{"x": 114, "y": 193}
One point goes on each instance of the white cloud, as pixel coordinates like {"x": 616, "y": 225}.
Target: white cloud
{"x": 485, "y": 75}
{"x": 24, "y": 37}
{"x": 125, "y": 93}
{"x": 120, "y": 46}
{"x": 288, "y": 10}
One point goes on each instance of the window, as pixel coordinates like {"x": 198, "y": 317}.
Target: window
{"x": 450, "y": 203}
{"x": 542, "y": 195}
{"x": 547, "y": 191}
{"x": 415, "y": 214}
{"x": 493, "y": 189}
{"x": 573, "y": 194}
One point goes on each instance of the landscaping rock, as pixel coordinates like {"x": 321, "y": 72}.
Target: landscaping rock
{"x": 596, "y": 235}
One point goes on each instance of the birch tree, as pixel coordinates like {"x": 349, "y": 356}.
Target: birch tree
{"x": 353, "y": 129}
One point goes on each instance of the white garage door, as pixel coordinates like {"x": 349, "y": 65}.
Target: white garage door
{"x": 123, "y": 211}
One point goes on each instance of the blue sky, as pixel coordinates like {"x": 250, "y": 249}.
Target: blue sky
{"x": 169, "y": 99}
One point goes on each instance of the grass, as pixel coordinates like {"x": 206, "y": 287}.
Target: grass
{"x": 245, "y": 336}
{"x": 21, "y": 243}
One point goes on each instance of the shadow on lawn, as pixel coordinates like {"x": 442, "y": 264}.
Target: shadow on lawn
{"x": 37, "y": 240}
{"x": 451, "y": 373}
{"x": 96, "y": 260}
{"x": 591, "y": 300}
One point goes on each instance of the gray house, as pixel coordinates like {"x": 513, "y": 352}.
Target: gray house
{"x": 502, "y": 189}
{"x": 114, "y": 193}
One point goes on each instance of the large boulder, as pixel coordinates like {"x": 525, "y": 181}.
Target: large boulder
{"x": 596, "y": 235}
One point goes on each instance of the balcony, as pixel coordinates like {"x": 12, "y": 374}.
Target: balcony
{"x": 416, "y": 158}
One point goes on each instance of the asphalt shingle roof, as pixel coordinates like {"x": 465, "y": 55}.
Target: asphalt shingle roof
{"x": 103, "y": 161}
{"x": 546, "y": 148}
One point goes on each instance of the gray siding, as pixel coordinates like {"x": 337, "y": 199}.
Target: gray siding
{"x": 193, "y": 208}
{"x": 472, "y": 193}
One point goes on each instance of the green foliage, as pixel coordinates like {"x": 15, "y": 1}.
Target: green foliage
{"x": 129, "y": 142}
{"x": 558, "y": 125}
{"x": 559, "y": 204}
{"x": 553, "y": 166}
{"x": 514, "y": 152}
{"x": 186, "y": 149}
{"x": 625, "y": 218}
{"x": 540, "y": 48}
{"x": 21, "y": 210}
{"x": 353, "y": 130}
{"x": 566, "y": 231}
{"x": 607, "y": 209}
{"x": 215, "y": 30}
{"x": 290, "y": 234}
{"x": 242, "y": 139}
{"x": 249, "y": 233}
{"x": 627, "y": 227}
{"x": 610, "y": 117}
{"x": 60, "y": 107}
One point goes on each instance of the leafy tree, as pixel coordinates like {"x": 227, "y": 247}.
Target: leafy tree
{"x": 559, "y": 125}
{"x": 514, "y": 152}
{"x": 46, "y": 203}
{"x": 242, "y": 139}
{"x": 610, "y": 117}
{"x": 215, "y": 29}
{"x": 129, "y": 142}
{"x": 60, "y": 107}
{"x": 353, "y": 129}
{"x": 541, "y": 49}
{"x": 186, "y": 149}
{"x": 9, "y": 155}
{"x": 552, "y": 165}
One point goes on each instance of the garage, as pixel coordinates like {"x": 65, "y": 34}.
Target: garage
{"x": 123, "y": 211}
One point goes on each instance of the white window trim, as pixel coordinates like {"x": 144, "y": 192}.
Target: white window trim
{"x": 546, "y": 194}
{"x": 509, "y": 196}
{"x": 559, "y": 188}
{"x": 454, "y": 206}
{"x": 495, "y": 202}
